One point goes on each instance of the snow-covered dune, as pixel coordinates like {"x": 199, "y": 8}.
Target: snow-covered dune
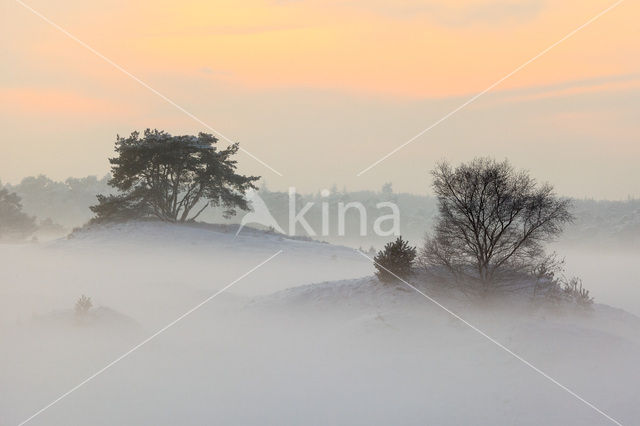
{"x": 277, "y": 349}
{"x": 441, "y": 371}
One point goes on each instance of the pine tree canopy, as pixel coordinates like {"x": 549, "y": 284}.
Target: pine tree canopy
{"x": 14, "y": 223}
{"x": 172, "y": 178}
{"x": 395, "y": 260}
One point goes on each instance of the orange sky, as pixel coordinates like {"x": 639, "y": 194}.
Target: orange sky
{"x": 214, "y": 57}
{"x": 413, "y": 48}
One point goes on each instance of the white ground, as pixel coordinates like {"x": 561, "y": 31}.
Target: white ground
{"x": 274, "y": 350}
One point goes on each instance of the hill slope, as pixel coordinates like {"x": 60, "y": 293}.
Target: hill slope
{"x": 276, "y": 349}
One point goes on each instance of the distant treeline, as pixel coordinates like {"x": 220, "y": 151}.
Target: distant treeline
{"x": 67, "y": 203}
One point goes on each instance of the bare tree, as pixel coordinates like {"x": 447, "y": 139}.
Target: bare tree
{"x": 493, "y": 223}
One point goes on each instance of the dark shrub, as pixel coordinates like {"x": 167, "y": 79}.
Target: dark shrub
{"x": 395, "y": 261}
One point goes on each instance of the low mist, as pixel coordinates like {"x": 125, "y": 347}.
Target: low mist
{"x": 273, "y": 349}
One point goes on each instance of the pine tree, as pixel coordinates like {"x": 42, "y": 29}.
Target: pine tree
{"x": 14, "y": 223}
{"x": 395, "y": 260}
{"x": 172, "y": 178}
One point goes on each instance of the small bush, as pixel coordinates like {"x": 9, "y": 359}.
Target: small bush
{"x": 83, "y": 304}
{"x": 395, "y": 260}
{"x": 553, "y": 286}
{"x": 574, "y": 291}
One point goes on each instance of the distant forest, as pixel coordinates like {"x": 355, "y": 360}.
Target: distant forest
{"x": 609, "y": 223}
